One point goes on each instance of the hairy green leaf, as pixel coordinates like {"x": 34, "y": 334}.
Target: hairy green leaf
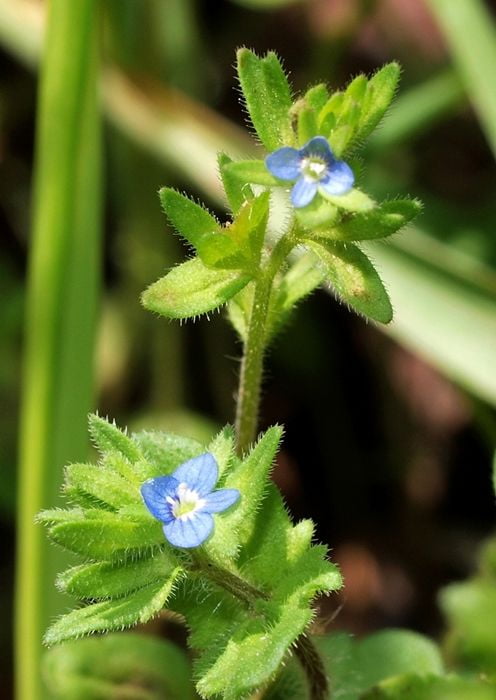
{"x": 237, "y": 192}
{"x": 354, "y": 278}
{"x": 108, "y": 438}
{"x": 189, "y": 219}
{"x": 381, "y": 221}
{"x": 319, "y": 214}
{"x": 250, "y": 478}
{"x": 299, "y": 281}
{"x": 268, "y": 97}
{"x": 99, "y": 534}
{"x": 354, "y": 201}
{"x": 111, "y": 615}
{"x": 381, "y": 89}
{"x": 115, "y": 580}
{"x": 253, "y": 171}
{"x": 191, "y": 289}
{"x": 165, "y": 451}
{"x": 102, "y": 483}
{"x": 317, "y": 96}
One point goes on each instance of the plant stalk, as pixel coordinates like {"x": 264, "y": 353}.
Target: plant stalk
{"x": 246, "y": 427}
{"x": 250, "y": 381}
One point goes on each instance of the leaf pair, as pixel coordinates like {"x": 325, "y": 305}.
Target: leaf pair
{"x": 228, "y": 256}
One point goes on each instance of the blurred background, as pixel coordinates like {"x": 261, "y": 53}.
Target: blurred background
{"x": 389, "y": 432}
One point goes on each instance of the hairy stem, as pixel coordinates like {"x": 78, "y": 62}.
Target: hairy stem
{"x": 311, "y": 663}
{"x": 305, "y": 650}
{"x": 250, "y": 381}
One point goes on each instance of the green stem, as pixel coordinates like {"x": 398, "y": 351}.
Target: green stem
{"x": 246, "y": 427}
{"x": 250, "y": 381}
{"x": 60, "y": 315}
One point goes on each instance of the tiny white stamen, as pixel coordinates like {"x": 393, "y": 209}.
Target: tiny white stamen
{"x": 313, "y": 167}
{"x": 186, "y": 502}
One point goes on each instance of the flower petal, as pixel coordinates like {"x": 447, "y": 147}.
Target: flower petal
{"x": 189, "y": 532}
{"x": 285, "y": 163}
{"x": 200, "y": 473}
{"x": 220, "y": 500}
{"x": 319, "y": 147}
{"x": 155, "y": 492}
{"x": 303, "y": 192}
{"x": 338, "y": 180}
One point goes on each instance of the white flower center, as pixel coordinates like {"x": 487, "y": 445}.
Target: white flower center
{"x": 313, "y": 167}
{"x": 185, "y": 503}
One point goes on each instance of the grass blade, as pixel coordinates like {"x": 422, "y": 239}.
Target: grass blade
{"x": 61, "y": 306}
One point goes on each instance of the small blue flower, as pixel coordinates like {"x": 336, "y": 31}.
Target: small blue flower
{"x": 185, "y": 500}
{"x": 314, "y": 168}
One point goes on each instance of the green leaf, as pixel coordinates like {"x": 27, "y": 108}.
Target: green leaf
{"x": 307, "y": 125}
{"x": 332, "y": 109}
{"x": 317, "y": 215}
{"x": 115, "y": 580}
{"x": 219, "y": 251}
{"x": 108, "y": 438}
{"x": 317, "y": 96}
{"x": 254, "y": 171}
{"x": 355, "y": 667}
{"x": 237, "y": 670}
{"x": 381, "y": 221}
{"x": 471, "y": 608}
{"x": 339, "y": 138}
{"x": 248, "y": 228}
{"x": 250, "y": 478}
{"x": 111, "y": 615}
{"x": 192, "y": 289}
{"x": 268, "y": 97}
{"x": 102, "y": 483}
{"x": 166, "y": 451}
{"x": 237, "y": 192}
{"x": 393, "y": 652}
{"x": 432, "y": 688}
{"x": 94, "y": 669}
{"x": 222, "y": 448}
{"x": 189, "y": 219}
{"x": 381, "y": 89}
{"x": 354, "y": 278}
{"x": 99, "y": 534}
{"x": 300, "y": 281}
{"x": 354, "y": 201}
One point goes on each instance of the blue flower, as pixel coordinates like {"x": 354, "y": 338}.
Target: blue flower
{"x": 185, "y": 500}
{"x": 314, "y": 168}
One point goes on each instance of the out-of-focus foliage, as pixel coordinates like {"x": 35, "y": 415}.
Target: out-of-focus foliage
{"x": 124, "y": 666}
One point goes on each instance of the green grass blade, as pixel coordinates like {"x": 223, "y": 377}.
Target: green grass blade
{"x": 470, "y": 32}
{"x": 445, "y": 308}
{"x": 61, "y": 306}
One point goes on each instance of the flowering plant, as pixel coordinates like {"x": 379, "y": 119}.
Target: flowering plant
{"x": 246, "y": 580}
